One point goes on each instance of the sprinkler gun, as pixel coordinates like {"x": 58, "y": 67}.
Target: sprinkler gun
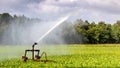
{"x": 34, "y": 44}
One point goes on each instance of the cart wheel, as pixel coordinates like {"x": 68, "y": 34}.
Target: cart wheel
{"x": 24, "y": 58}
{"x": 37, "y": 57}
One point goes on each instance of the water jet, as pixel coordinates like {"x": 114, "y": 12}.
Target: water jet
{"x": 33, "y": 50}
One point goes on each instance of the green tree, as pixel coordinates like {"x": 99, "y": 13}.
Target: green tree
{"x": 5, "y": 17}
{"x": 104, "y": 32}
{"x": 81, "y": 28}
{"x": 95, "y": 33}
{"x": 70, "y": 35}
{"x": 116, "y": 31}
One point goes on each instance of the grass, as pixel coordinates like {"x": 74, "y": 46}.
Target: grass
{"x": 99, "y": 55}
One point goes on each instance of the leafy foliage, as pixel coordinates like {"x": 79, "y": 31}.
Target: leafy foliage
{"x": 99, "y": 33}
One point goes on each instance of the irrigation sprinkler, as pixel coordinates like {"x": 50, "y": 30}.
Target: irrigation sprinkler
{"x": 34, "y": 57}
{"x": 25, "y": 58}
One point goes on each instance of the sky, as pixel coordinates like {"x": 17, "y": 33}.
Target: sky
{"x": 91, "y": 10}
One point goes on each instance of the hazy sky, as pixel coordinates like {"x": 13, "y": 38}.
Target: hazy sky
{"x": 91, "y": 10}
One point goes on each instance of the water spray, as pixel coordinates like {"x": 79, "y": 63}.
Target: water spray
{"x": 57, "y": 24}
{"x": 25, "y": 58}
{"x": 50, "y": 30}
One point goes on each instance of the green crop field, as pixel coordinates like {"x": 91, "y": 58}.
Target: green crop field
{"x": 64, "y": 56}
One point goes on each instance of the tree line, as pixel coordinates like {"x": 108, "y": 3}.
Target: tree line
{"x": 98, "y": 33}
{"x": 73, "y": 33}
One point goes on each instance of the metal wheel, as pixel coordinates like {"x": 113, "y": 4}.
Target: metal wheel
{"x": 37, "y": 57}
{"x": 24, "y": 58}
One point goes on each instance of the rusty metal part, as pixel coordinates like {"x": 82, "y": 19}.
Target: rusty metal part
{"x": 25, "y": 58}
